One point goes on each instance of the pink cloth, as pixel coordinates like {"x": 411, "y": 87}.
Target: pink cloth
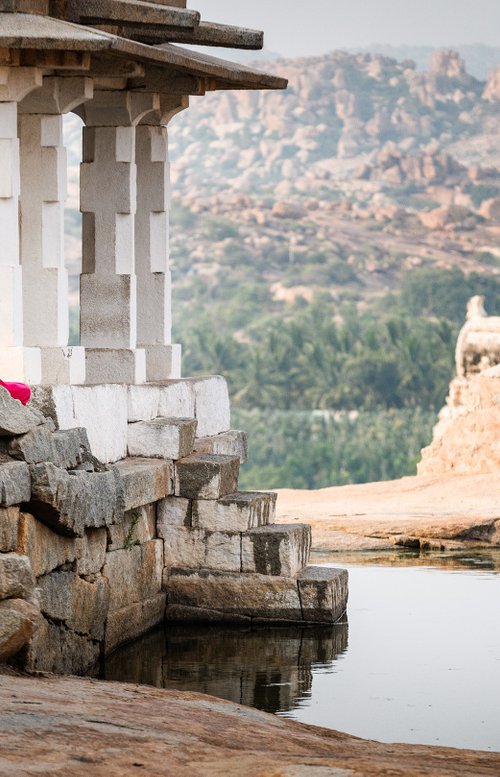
{"x": 19, "y": 391}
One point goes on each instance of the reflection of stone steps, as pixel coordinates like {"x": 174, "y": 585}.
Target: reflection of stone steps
{"x": 270, "y": 669}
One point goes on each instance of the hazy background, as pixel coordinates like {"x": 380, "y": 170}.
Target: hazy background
{"x": 294, "y": 27}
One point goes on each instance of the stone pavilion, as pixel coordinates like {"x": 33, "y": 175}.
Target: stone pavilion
{"x": 119, "y": 500}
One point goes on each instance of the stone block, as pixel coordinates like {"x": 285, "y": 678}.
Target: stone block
{"x": 63, "y": 365}
{"x": 323, "y": 593}
{"x": 90, "y": 607}
{"x": 80, "y": 604}
{"x": 182, "y": 614}
{"x": 278, "y": 550}
{"x": 144, "y": 481}
{"x": 101, "y": 410}
{"x": 72, "y": 503}
{"x": 162, "y": 438}
{"x": 172, "y": 511}
{"x": 199, "y": 549}
{"x": 54, "y": 648}
{"x": 144, "y": 402}
{"x": 65, "y": 449}
{"x": 137, "y": 528}
{"x": 177, "y": 399}
{"x": 15, "y": 482}
{"x": 18, "y": 622}
{"x": 9, "y": 528}
{"x": 14, "y": 417}
{"x": 234, "y": 595}
{"x": 163, "y": 362}
{"x": 91, "y": 551}
{"x": 16, "y": 577}
{"x": 132, "y": 621}
{"x": 205, "y": 476}
{"x": 134, "y": 575}
{"x": 235, "y": 512}
{"x": 232, "y": 443}
{"x": 212, "y": 409}
{"x": 45, "y": 549}
{"x": 114, "y": 365}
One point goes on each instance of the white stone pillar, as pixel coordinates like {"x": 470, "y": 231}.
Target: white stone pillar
{"x": 154, "y": 292}
{"x": 108, "y": 309}
{"x": 43, "y": 194}
{"x": 16, "y": 362}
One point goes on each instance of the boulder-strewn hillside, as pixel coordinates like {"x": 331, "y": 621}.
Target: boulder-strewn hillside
{"x": 363, "y": 169}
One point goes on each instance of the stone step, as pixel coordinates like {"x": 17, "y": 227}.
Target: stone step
{"x": 200, "y": 549}
{"x": 206, "y": 476}
{"x": 235, "y": 512}
{"x": 279, "y": 550}
{"x": 144, "y": 480}
{"x": 319, "y": 596}
{"x": 232, "y": 443}
{"x": 324, "y": 592}
{"x": 67, "y": 449}
{"x": 162, "y": 438}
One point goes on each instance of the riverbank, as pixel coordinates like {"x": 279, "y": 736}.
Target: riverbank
{"x": 447, "y": 512}
{"x": 60, "y": 726}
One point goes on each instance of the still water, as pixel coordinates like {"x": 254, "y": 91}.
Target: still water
{"x": 417, "y": 662}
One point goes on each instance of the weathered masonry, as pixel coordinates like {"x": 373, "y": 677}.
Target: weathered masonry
{"x": 119, "y": 501}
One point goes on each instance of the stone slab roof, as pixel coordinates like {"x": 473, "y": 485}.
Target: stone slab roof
{"x": 137, "y": 31}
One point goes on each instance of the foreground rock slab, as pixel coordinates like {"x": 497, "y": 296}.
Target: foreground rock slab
{"x": 88, "y": 728}
{"x": 447, "y": 512}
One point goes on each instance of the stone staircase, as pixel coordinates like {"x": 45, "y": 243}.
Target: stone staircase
{"x": 224, "y": 558}
{"x": 93, "y": 554}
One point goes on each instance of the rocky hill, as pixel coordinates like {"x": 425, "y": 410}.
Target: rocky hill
{"x": 363, "y": 169}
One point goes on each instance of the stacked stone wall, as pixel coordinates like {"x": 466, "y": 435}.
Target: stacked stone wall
{"x": 103, "y": 552}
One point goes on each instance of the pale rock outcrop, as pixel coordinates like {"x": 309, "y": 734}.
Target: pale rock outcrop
{"x": 467, "y": 437}
{"x": 478, "y": 344}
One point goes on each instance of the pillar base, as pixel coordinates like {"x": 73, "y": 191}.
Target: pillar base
{"x": 21, "y": 364}
{"x": 115, "y": 365}
{"x": 63, "y": 366}
{"x": 163, "y": 362}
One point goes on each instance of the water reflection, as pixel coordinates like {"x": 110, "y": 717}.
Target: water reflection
{"x": 460, "y": 560}
{"x": 271, "y": 669}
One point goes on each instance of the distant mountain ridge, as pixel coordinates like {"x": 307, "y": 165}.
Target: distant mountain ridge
{"x": 479, "y": 58}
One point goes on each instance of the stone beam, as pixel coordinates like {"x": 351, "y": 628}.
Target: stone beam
{"x": 16, "y": 362}
{"x": 206, "y": 34}
{"x": 55, "y": 60}
{"x": 156, "y": 79}
{"x": 38, "y": 7}
{"x": 96, "y": 11}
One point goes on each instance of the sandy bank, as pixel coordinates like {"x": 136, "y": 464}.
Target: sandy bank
{"x": 444, "y": 512}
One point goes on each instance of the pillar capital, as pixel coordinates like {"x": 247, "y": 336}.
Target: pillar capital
{"x": 117, "y": 108}
{"x": 57, "y": 96}
{"x": 169, "y": 106}
{"x": 17, "y": 82}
